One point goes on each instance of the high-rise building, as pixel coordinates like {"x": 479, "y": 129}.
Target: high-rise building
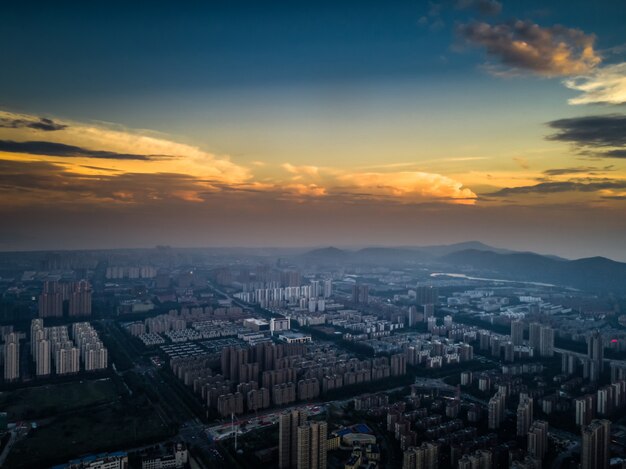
{"x": 432, "y": 455}
{"x": 425, "y": 456}
{"x": 429, "y": 311}
{"x": 328, "y": 288}
{"x": 11, "y": 354}
{"x": 426, "y": 295}
{"x": 411, "y": 317}
{"x": 80, "y": 299}
{"x": 43, "y": 358}
{"x": 496, "y": 410}
{"x": 50, "y": 300}
{"x": 538, "y": 439}
{"x": 517, "y": 332}
{"x": 67, "y": 359}
{"x": 413, "y": 458}
{"x": 431, "y": 323}
{"x": 534, "y": 336}
{"x": 546, "y": 344}
{"x": 524, "y": 414}
{"x": 595, "y": 445}
{"x": 595, "y": 351}
{"x": 398, "y": 364}
{"x": 360, "y": 294}
{"x": 229, "y": 404}
{"x": 585, "y": 409}
{"x": 288, "y": 424}
{"x": 93, "y": 353}
{"x": 312, "y": 445}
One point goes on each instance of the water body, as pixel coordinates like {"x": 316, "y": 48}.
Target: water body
{"x": 467, "y": 277}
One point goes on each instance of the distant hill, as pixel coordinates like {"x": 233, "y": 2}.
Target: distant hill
{"x": 596, "y": 273}
{"x": 390, "y": 255}
{"x": 327, "y": 255}
{"x": 445, "y": 249}
{"x": 372, "y": 255}
{"x": 394, "y": 255}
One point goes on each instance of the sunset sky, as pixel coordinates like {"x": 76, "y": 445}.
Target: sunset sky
{"x": 314, "y": 123}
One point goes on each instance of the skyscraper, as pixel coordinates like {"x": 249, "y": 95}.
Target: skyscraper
{"x": 538, "y": 439}
{"x": 426, "y": 295}
{"x": 11, "y": 357}
{"x": 328, "y": 288}
{"x": 50, "y": 301}
{"x": 43, "y": 358}
{"x": 517, "y": 332}
{"x": 360, "y": 294}
{"x": 524, "y": 414}
{"x": 67, "y": 359}
{"x": 411, "y": 318}
{"x": 288, "y": 424}
{"x": 595, "y": 445}
{"x": 534, "y": 336}
{"x": 546, "y": 344}
{"x": 312, "y": 445}
{"x": 585, "y": 409}
{"x": 80, "y": 299}
{"x": 425, "y": 456}
{"x": 496, "y": 410}
{"x": 595, "y": 350}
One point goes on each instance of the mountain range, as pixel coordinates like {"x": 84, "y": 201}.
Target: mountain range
{"x": 592, "y": 274}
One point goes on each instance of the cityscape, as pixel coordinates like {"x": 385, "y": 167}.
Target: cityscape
{"x": 173, "y": 357}
{"x": 313, "y": 235}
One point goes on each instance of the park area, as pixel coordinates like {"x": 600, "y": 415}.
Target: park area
{"x": 46, "y": 401}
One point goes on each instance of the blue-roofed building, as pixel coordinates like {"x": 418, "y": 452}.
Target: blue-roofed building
{"x": 115, "y": 460}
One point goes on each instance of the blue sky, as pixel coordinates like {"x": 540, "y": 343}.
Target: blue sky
{"x": 414, "y": 102}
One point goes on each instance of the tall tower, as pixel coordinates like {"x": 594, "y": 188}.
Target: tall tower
{"x": 538, "y": 439}
{"x": 546, "y": 345}
{"x": 524, "y": 414}
{"x": 534, "y": 336}
{"x": 595, "y": 445}
{"x": 595, "y": 349}
{"x": 43, "y": 358}
{"x": 80, "y": 299}
{"x": 517, "y": 332}
{"x": 312, "y": 445}
{"x": 51, "y": 300}
{"x": 496, "y": 410}
{"x": 11, "y": 357}
{"x": 288, "y": 438}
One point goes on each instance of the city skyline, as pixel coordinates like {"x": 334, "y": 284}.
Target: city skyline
{"x": 312, "y": 125}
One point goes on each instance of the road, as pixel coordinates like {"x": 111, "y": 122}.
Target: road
{"x": 583, "y": 355}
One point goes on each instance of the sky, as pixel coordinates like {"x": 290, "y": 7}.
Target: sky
{"x": 132, "y": 124}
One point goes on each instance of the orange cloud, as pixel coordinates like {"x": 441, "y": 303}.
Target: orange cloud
{"x": 526, "y": 46}
{"x": 411, "y": 186}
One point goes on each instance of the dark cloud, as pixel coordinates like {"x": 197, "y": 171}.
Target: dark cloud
{"x": 69, "y": 151}
{"x": 47, "y": 125}
{"x": 484, "y": 7}
{"x": 621, "y": 153}
{"x": 592, "y": 131}
{"x": 563, "y": 186}
{"x": 526, "y": 46}
{"x": 578, "y": 170}
{"x": 100, "y": 168}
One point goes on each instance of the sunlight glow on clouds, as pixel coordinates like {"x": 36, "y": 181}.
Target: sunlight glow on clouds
{"x": 604, "y": 85}
{"x": 137, "y": 166}
{"x": 526, "y": 46}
